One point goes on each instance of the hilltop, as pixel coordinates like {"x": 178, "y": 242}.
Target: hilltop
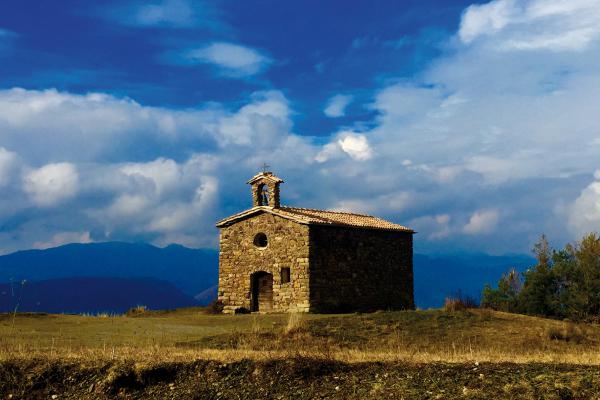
{"x": 188, "y": 354}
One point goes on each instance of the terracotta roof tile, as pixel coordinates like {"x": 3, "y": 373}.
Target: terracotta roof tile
{"x": 321, "y": 217}
{"x": 344, "y": 218}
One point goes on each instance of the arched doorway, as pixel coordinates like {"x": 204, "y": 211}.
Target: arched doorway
{"x": 261, "y": 284}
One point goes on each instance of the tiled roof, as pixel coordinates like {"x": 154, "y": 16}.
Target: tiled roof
{"x": 320, "y": 217}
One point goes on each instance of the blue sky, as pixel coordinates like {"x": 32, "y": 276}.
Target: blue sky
{"x": 473, "y": 123}
{"x": 309, "y": 50}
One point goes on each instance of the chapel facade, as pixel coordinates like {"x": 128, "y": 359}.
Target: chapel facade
{"x": 274, "y": 258}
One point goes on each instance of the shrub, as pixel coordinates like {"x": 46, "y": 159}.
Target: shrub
{"x": 137, "y": 310}
{"x": 459, "y": 303}
{"x": 215, "y": 307}
{"x": 569, "y": 332}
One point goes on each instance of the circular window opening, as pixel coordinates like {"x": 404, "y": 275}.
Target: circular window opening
{"x": 260, "y": 240}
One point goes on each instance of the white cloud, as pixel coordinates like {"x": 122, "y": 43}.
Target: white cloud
{"x": 161, "y": 173}
{"x": 556, "y": 25}
{"x": 449, "y": 174}
{"x": 64, "y": 238}
{"x": 181, "y": 215}
{"x": 496, "y": 169}
{"x": 489, "y": 129}
{"x": 355, "y": 145}
{"x": 34, "y": 123}
{"x": 133, "y": 172}
{"x": 329, "y": 151}
{"x": 7, "y": 165}
{"x": 485, "y": 127}
{"x": 336, "y": 106}
{"x": 51, "y": 184}
{"x": 232, "y": 59}
{"x": 436, "y": 227}
{"x": 178, "y": 13}
{"x": 482, "y": 222}
{"x": 257, "y": 123}
{"x": 584, "y": 213}
{"x": 487, "y": 18}
{"x": 50, "y": 125}
{"x": 127, "y": 205}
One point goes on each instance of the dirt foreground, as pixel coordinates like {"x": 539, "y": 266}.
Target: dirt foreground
{"x": 298, "y": 378}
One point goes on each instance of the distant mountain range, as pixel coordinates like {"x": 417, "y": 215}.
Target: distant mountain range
{"x": 92, "y": 295}
{"x": 114, "y": 276}
{"x": 117, "y": 276}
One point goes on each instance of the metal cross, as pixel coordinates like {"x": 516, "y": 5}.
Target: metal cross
{"x": 264, "y": 167}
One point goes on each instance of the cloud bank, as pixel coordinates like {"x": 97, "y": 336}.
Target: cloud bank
{"x": 102, "y": 163}
{"x": 533, "y": 24}
{"x": 493, "y": 143}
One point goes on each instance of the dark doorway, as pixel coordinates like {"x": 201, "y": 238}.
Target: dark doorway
{"x": 261, "y": 284}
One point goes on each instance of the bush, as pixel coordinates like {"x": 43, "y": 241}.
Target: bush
{"x": 459, "y": 303}
{"x": 569, "y": 332}
{"x": 137, "y": 310}
{"x": 215, "y": 307}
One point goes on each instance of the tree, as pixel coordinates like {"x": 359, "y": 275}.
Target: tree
{"x": 587, "y": 254}
{"x": 504, "y": 298}
{"x": 570, "y": 298}
{"x": 563, "y": 284}
{"x": 539, "y": 287}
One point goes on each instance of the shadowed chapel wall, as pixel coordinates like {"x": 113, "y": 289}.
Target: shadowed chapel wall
{"x": 353, "y": 269}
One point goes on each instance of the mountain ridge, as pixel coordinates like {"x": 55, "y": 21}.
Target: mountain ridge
{"x": 194, "y": 272}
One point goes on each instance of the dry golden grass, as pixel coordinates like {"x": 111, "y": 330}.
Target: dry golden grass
{"x": 410, "y": 336}
{"x": 158, "y": 354}
{"x": 295, "y": 324}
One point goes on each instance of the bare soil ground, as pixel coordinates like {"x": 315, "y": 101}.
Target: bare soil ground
{"x": 297, "y": 378}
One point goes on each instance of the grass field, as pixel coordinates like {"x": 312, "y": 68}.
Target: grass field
{"x": 420, "y": 336}
{"x": 475, "y": 348}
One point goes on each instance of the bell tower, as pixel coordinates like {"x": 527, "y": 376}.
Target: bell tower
{"x": 265, "y": 189}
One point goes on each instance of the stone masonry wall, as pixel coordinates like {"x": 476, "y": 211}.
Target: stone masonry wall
{"x": 274, "y": 199}
{"x": 239, "y": 257}
{"x": 353, "y": 269}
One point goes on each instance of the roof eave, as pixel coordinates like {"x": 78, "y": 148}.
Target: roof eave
{"x": 370, "y": 228}
{"x": 248, "y": 213}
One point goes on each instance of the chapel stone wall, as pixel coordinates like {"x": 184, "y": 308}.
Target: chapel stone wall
{"x": 239, "y": 257}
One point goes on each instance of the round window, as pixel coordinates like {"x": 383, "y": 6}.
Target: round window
{"x": 260, "y": 240}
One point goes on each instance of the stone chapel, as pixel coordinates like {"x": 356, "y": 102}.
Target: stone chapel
{"x": 282, "y": 259}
